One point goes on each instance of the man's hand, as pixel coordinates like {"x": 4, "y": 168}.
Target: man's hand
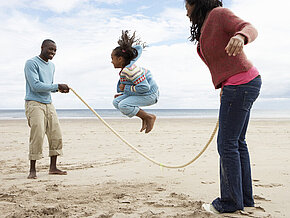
{"x": 122, "y": 87}
{"x": 63, "y": 88}
{"x": 235, "y": 45}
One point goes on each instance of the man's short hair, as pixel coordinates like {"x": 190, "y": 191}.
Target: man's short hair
{"x": 46, "y": 41}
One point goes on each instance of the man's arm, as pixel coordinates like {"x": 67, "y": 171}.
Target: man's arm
{"x": 32, "y": 77}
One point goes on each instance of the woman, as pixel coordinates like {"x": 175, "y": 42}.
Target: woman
{"x": 220, "y": 36}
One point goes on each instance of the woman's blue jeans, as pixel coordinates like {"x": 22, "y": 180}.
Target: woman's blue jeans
{"x": 235, "y": 169}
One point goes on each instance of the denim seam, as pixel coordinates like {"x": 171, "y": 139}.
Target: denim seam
{"x": 224, "y": 130}
{"x": 248, "y": 86}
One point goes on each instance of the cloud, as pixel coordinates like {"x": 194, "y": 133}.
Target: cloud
{"x": 58, "y": 6}
{"x": 87, "y": 31}
{"x": 270, "y": 51}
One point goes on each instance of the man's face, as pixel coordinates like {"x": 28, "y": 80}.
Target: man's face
{"x": 48, "y": 50}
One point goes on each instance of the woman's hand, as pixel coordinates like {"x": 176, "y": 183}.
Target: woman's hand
{"x": 235, "y": 45}
{"x": 122, "y": 87}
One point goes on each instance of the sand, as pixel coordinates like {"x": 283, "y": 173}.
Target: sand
{"x": 106, "y": 178}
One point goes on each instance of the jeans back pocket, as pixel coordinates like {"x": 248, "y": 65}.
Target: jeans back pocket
{"x": 250, "y": 96}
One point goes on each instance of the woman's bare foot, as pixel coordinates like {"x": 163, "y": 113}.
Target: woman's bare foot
{"x": 32, "y": 175}
{"x": 150, "y": 122}
{"x": 57, "y": 172}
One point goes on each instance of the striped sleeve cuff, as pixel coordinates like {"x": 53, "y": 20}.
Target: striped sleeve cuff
{"x": 133, "y": 89}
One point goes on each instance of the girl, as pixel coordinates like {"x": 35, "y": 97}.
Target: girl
{"x": 136, "y": 85}
{"x": 220, "y": 37}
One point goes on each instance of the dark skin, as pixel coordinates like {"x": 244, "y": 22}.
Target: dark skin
{"x": 148, "y": 120}
{"x": 53, "y": 170}
{"x": 48, "y": 51}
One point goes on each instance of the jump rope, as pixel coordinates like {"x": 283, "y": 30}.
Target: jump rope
{"x": 141, "y": 153}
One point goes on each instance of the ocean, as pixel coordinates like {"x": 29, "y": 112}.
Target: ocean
{"x": 160, "y": 113}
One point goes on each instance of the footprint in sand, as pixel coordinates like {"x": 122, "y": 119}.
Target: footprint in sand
{"x": 268, "y": 185}
{"x": 160, "y": 189}
{"x": 179, "y": 196}
{"x": 210, "y": 182}
{"x": 8, "y": 179}
{"x": 257, "y": 197}
{"x": 53, "y": 187}
{"x": 255, "y": 212}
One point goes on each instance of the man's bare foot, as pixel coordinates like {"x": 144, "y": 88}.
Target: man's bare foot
{"x": 150, "y": 122}
{"x": 57, "y": 172}
{"x": 144, "y": 125}
{"x": 32, "y": 175}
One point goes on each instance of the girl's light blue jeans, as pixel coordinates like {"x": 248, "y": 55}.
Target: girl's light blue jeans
{"x": 129, "y": 104}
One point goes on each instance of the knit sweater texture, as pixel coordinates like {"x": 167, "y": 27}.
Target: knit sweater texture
{"x": 220, "y": 25}
{"x": 137, "y": 80}
{"x": 39, "y": 80}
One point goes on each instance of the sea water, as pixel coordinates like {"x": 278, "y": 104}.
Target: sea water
{"x": 160, "y": 113}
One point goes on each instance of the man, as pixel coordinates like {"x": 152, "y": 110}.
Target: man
{"x": 40, "y": 112}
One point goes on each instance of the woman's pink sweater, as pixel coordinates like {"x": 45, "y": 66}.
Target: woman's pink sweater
{"x": 220, "y": 25}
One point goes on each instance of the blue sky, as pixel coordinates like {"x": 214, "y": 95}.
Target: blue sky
{"x": 86, "y": 31}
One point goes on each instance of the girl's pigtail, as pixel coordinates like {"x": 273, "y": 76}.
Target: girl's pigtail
{"x": 126, "y": 49}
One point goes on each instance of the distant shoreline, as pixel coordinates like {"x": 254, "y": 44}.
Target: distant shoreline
{"x": 7, "y": 114}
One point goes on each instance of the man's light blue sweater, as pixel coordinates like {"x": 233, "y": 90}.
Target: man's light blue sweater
{"x": 39, "y": 80}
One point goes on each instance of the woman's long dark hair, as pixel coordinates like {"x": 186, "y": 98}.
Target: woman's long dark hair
{"x": 125, "y": 48}
{"x": 201, "y": 8}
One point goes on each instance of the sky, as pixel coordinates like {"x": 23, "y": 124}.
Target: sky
{"x": 86, "y": 32}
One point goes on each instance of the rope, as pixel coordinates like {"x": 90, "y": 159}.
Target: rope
{"x": 139, "y": 152}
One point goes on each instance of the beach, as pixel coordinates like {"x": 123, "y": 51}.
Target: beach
{"x": 107, "y": 178}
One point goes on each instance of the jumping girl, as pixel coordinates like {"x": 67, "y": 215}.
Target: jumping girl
{"x": 136, "y": 86}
